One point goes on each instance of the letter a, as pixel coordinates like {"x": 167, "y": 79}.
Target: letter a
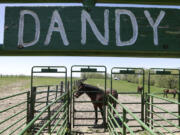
{"x": 60, "y": 28}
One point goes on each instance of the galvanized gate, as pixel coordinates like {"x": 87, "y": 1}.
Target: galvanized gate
{"x": 76, "y": 72}
{"x": 125, "y": 76}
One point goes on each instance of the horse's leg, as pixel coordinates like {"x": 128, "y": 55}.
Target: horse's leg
{"x": 96, "y": 115}
{"x": 114, "y": 105}
{"x": 174, "y": 95}
{"x": 102, "y": 113}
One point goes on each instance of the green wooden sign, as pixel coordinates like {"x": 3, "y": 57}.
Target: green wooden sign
{"x": 156, "y": 2}
{"x": 105, "y": 30}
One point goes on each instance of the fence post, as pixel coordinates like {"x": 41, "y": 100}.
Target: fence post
{"x": 32, "y": 106}
{"x": 146, "y": 109}
{"x": 69, "y": 104}
{"x": 56, "y": 91}
{"x": 28, "y": 109}
{"x": 152, "y": 116}
{"x": 49, "y": 117}
{"x": 142, "y": 105}
{"x": 47, "y": 101}
{"x": 124, "y": 121}
{"x": 108, "y": 109}
{"x": 61, "y": 88}
{"x": 179, "y": 106}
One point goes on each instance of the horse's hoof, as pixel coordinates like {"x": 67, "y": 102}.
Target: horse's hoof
{"x": 102, "y": 125}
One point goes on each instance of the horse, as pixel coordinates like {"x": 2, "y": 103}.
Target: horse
{"x": 139, "y": 89}
{"x": 170, "y": 91}
{"x": 97, "y": 96}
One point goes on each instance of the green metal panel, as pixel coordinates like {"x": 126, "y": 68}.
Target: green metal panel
{"x": 144, "y": 45}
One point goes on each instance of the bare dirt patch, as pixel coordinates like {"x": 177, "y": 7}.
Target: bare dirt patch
{"x": 132, "y": 107}
{"x": 17, "y": 114}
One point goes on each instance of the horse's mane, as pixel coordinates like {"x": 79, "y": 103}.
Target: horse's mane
{"x": 91, "y": 87}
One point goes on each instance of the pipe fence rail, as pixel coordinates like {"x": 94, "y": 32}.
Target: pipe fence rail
{"x": 159, "y": 118}
{"x": 60, "y": 127}
{"x": 118, "y": 124}
{"x": 13, "y": 113}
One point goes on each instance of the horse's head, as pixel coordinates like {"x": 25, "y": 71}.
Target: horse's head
{"x": 139, "y": 89}
{"x": 80, "y": 90}
{"x": 166, "y": 90}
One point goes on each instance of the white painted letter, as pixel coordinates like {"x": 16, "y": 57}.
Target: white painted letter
{"x": 86, "y": 17}
{"x": 21, "y": 28}
{"x": 119, "y": 42}
{"x": 60, "y": 28}
{"x": 156, "y": 24}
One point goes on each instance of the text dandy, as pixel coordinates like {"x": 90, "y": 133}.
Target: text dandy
{"x": 56, "y": 25}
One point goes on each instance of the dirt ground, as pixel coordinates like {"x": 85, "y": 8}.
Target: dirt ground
{"x": 83, "y": 107}
{"x": 131, "y": 107}
{"x": 20, "y": 111}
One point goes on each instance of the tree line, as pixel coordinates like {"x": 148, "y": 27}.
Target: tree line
{"x": 162, "y": 81}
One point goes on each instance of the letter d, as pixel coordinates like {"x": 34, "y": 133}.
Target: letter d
{"x": 21, "y": 29}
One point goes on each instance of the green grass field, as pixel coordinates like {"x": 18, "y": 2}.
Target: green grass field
{"x": 122, "y": 86}
{"x": 23, "y": 83}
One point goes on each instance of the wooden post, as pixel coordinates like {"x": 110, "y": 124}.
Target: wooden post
{"x": 56, "y": 91}
{"x": 179, "y": 106}
{"x": 124, "y": 121}
{"x": 28, "y": 107}
{"x": 32, "y": 106}
{"x": 68, "y": 86}
{"x": 142, "y": 106}
{"x": 146, "y": 109}
{"x": 47, "y": 101}
{"x": 28, "y": 119}
{"x": 61, "y": 89}
{"x": 152, "y": 110}
{"x": 49, "y": 117}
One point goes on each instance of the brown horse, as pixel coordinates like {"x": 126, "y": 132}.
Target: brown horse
{"x": 170, "y": 91}
{"x": 139, "y": 89}
{"x": 97, "y": 97}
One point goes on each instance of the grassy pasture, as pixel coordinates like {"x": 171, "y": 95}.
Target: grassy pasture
{"x": 22, "y": 83}
{"x": 124, "y": 86}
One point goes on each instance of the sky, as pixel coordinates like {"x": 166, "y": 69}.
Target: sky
{"x": 13, "y": 65}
